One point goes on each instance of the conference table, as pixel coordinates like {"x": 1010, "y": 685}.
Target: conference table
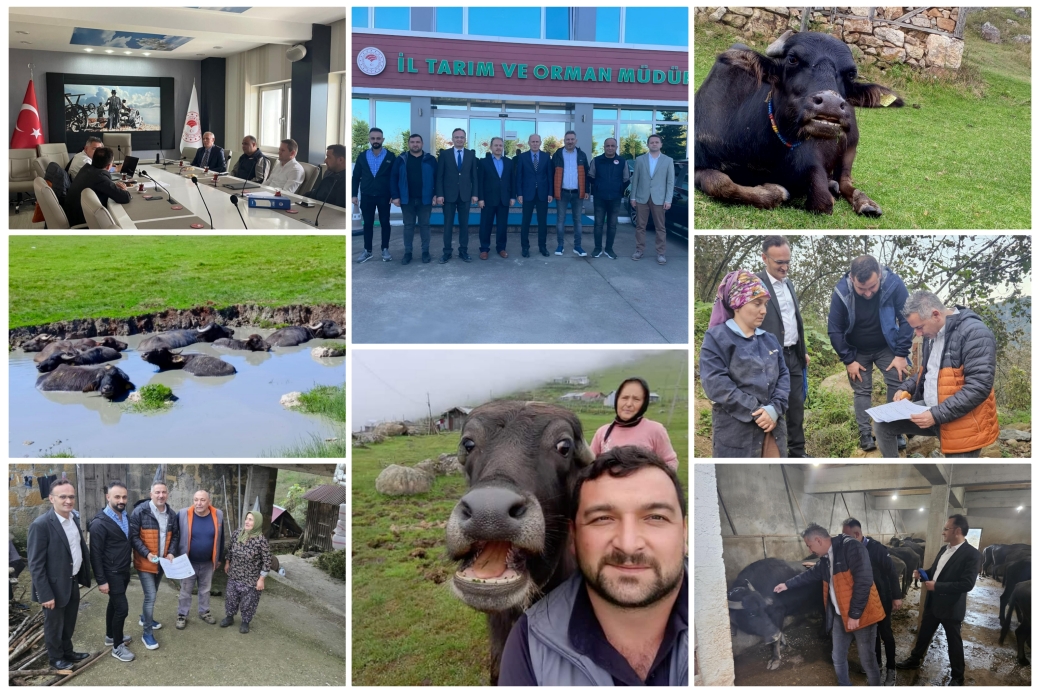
{"x": 153, "y": 209}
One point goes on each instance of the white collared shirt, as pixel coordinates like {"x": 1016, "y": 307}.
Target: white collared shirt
{"x": 72, "y": 533}
{"x": 931, "y": 376}
{"x": 288, "y": 177}
{"x": 945, "y": 558}
{"x": 652, "y": 163}
{"x": 786, "y": 301}
{"x": 78, "y": 162}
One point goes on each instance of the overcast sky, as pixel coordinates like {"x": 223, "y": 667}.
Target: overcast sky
{"x": 393, "y": 384}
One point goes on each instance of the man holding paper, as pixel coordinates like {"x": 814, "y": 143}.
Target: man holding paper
{"x": 202, "y": 539}
{"x": 955, "y": 380}
{"x": 153, "y": 533}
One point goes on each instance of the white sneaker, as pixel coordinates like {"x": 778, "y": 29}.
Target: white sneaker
{"x": 122, "y": 654}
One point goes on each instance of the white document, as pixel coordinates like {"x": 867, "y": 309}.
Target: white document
{"x": 896, "y": 411}
{"x": 177, "y": 569}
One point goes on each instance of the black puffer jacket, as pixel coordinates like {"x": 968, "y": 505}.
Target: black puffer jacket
{"x": 110, "y": 552}
{"x": 884, "y": 578}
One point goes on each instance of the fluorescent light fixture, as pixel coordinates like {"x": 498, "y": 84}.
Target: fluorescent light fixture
{"x": 816, "y": 465}
{"x": 145, "y": 53}
{"x": 127, "y": 52}
{"x": 895, "y": 495}
{"x": 109, "y": 51}
{"x": 920, "y": 510}
{"x": 1020, "y": 507}
{"x": 89, "y": 50}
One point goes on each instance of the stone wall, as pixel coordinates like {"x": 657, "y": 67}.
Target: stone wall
{"x": 25, "y": 503}
{"x": 871, "y": 42}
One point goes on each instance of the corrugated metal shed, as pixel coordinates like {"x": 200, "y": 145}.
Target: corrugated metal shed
{"x": 333, "y": 494}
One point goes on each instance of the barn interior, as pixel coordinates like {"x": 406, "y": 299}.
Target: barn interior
{"x": 744, "y": 513}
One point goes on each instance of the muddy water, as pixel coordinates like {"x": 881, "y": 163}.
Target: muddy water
{"x": 806, "y": 660}
{"x": 231, "y": 416}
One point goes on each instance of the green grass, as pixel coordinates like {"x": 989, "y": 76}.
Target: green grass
{"x": 960, "y": 161}
{"x": 328, "y": 400}
{"x": 68, "y": 277}
{"x": 155, "y": 397}
{"x": 316, "y": 446}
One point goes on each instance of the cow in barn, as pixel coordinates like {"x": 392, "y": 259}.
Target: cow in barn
{"x": 1016, "y": 572}
{"x": 1008, "y": 555}
{"x": 755, "y": 609}
{"x": 509, "y": 531}
{"x": 1021, "y": 605}
{"x": 988, "y": 561}
{"x": 913, "y": 563}
{"x": 769, "y": 127}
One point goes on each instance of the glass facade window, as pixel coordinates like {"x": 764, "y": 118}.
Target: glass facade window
{"x": 604, "y": 114}
{"x": 673, "y": 140}
{"x": 662, "y": 26}
{"x": 634, "y": 114}
{"x": 449, "y": 20}
{"x": 600, "y": 132}
{"x": 558, "y": 23}
{"x": 520, "y": 107}
{"x": 442, "y": 128}
{"x": 513, "y": 22}
{"x": 608, "y": 24}
{"x": 394, "y": 118}
{"x": 359, "y": 17}
{"x": 555, "y": 108}
{"x": 681, "y": 116}
{"x": 486, "y": 107}
{"x": 393, "y": 18}
{"x": 632, "y": 142}
{"x": 552, "y": 135}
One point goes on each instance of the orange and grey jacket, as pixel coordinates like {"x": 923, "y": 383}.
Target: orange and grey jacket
{"x": 967, "y": 410}
{"x": 144, "y": 535}
{"x": 853, "y": 583}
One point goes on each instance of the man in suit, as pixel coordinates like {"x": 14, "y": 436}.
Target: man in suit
{"x": 950, "y": 578}
{"x": 784, "y": 320}
{"x": 210, "y": 155}
{"x": 456, "y": 190}
{"x": 371, "y": 177}
{"x": 495, "y": 197}
{"x": 96, "y": 178}
{"x": 533, "y": 192}
{"x": 59, "y": 563}
{"x": 653, "y": 183}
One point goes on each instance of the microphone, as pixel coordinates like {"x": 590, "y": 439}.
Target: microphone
{"x": 325, "y": 200}
{"x": 119, "y": 147}
{"x": 234, "y": 201}
{"x": 195, "y": 180}
{"x": 158, "y": 185}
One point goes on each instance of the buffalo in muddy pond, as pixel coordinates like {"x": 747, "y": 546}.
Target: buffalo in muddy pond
{"x": 77, "y": 345}
{"x": 176, "y": 339}
{"x": 73, "y": 357}
{"x": 108, "y": 380}
{"x": 298, "y": 334}
{"x": 253, "y": 342}
{"x": 196, "y": 364}
{"x": 509, "y": 531}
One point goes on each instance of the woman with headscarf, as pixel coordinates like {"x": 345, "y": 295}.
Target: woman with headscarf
{"x": 630, "y": 427}
{"x": 743, "y": 373}
{"x": 247, "y": 564}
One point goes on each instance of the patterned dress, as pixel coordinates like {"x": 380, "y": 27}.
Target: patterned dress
{"x": 248, "y": 562}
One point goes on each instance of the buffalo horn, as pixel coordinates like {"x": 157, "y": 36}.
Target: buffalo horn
{"x": 582, "y": 452}
{"x": 735, "y": 605}
{"x": 67, "y": 356}
{"x": 776, "y": 48}
{"x": 315, "y": 325}
{"x": 206, "y": 328}
{"x": 749, "y": 585}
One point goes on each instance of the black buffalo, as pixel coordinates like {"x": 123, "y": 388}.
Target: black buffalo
{"x": 769, "y": 127}
{"x": 899, "y": 570}
{"x": 298, "y": 334}
{"x": 196, "y": 364}
{"x": 253, "y": 342}
{"x": 1007, "y": 556}
{"x": 1021, "y": 605}
{"x": 60, "y": 345}
{"x": 107, "y": 380}
{"x": 912, "y": 561}
{"x": 509, "y": 531}
{"x": 1016, "y": 572}
{"x": 175, "y": 339}
{"x": 754, "y": 608}
{"x": 85, "y": 357}
{"x": 987, "y": 557}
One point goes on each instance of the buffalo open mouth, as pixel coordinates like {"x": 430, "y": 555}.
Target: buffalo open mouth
{"x": 825, "y": 126}
{"x": 493, "y": 563}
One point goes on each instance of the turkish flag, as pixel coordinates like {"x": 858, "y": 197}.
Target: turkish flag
{"x": 28, "y": 132}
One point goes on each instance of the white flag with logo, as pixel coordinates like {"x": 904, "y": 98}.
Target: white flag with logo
{"x": 192, "y": 134}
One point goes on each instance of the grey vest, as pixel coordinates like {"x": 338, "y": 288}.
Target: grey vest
{"x": 555, "y": 661}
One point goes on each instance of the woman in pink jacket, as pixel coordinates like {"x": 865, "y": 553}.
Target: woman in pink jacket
{"x": 629, "y": 427}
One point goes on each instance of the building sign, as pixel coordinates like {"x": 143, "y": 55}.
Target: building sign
{"x": 507, "y": 68}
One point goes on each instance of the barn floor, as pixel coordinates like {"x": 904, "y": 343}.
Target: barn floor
{"x": 806, "y": 659}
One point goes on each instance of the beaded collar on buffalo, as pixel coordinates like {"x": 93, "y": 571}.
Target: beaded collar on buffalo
{"x": 772, "y": 122}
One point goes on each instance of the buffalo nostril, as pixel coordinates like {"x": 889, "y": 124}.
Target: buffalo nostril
{"x": 518, "y": 510}
{"x": 818, "y": 100}
{"x": 842, "y": 105}
{"x": 464, "y": 509}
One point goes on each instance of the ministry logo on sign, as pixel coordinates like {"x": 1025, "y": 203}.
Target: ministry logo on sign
{"x": 371, "y": 61}
{"x": 192, "y": 132}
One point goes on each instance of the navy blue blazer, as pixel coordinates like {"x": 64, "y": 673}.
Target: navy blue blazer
{"x": 216, "y": 159}
{"x": 490, "y": 188}
{"x": 527, "y": 179}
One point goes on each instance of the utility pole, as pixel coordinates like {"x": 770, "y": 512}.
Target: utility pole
{"x": 429, "y": 410}
{"x": 682, "y": 369}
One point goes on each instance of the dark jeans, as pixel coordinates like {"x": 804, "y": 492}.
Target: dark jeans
{"x": 415, "y": 210}
{"x": 887, "y": 433}
{"x": 840, "y": 641}
{"x": 118, "y": 609}
{"x": 574, "y": 200}
{"x": 488, "y": 217}
{"x": 795, "y": 406}
{"x": 955, "y": 646}
{"x": 884, "y": 635}
{"x": 539, "y": 201}
{"x": 150, "y": 585}
{"x": 59, "y": 624}
{"x": 605, "y": 210}
{"x": 861, "y": 389}
{"x": 369, "y": 205}
{"x": 450, "y": 208}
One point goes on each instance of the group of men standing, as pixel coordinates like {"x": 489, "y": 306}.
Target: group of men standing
{"x": 872, "y": 322}
{"x": 60, "y": 562}
{"x": 415, "y": 181}
{"x": 860, "y": 591}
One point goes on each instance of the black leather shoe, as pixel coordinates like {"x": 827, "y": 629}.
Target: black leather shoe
{"x": 62, "y": 664}
{"x": 544, "y": 252}
{"x": 77, "y": 656}
{"x": 425, "y": 259}
{"x": 908, "y": 663}
{"x": 464, "y": 256}
{"x": 406, "y": 259}
{"x": 444, "y": 258}
{"x": 866, "y": 443}
{"x": 526, "y": 252}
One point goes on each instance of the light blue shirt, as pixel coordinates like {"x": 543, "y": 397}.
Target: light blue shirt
{"x": 570, "y": 169}
{"x": 732, "y": 324}
{"x": 498, "y": 164}
{"x": 374, "y": 162}
{"x": 123, "y": 522}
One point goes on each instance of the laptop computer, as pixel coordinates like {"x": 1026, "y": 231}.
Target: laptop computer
{"x": 129, "y": 166}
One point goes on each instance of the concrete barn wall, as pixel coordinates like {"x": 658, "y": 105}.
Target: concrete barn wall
{"x": 713, "y": 657}
{"x": 999, "y": 525}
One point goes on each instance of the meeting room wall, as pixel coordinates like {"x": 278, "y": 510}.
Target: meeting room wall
{"x": 338, "y": 54}
{"x": 182, "y": 71}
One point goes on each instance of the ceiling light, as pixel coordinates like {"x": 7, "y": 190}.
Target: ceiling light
{"x": 127, "y": 52}
{"x": 894, "y": 496}
{"x": 109, "y": 51}
{"x": 1020, "y": 507}
{"x": 920, "y": 510}
{"x": 89, "y": 50}
{"x": 816, "y": 465}
{"x": 145, "y": 53}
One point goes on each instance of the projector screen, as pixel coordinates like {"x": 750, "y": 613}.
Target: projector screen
{"x": 111, "y": 108}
